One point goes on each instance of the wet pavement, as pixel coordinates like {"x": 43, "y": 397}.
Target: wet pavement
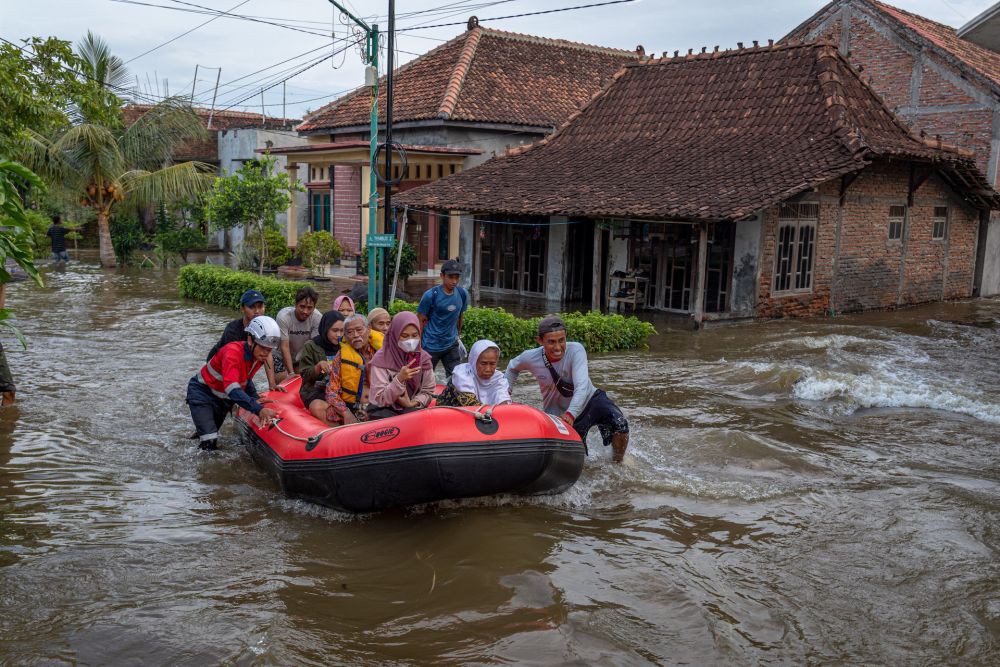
{"x": 821, "y": 491}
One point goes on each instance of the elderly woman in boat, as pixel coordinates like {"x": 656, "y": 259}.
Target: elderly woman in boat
{"x": 477, "y": 382}
{"x": 402, "y": 378}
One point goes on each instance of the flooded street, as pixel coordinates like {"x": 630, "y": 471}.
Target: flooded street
{"x": 822, "y": 492}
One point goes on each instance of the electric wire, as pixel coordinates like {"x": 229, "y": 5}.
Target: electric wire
{"x": 186, "y": 32}
{"x": 516, "y": 16}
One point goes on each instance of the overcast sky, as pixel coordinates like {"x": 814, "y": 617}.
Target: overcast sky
{"x": 241, "y": 47}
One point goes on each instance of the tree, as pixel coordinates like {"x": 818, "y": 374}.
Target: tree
{"x": 15, "y": 229}
{"x": 105, "y": 76}
{"x": 251, "y": 198}
{"x": 39, "y": 83}
{"x": 109, "y": 167}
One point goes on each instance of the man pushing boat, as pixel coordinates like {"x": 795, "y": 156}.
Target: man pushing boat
{"x": 560, "y": 367}
{"x": 227, "y": 380}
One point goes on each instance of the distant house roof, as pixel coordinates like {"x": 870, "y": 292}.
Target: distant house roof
{"x": 708, "y": 137}
{"x": 984, "y": 29}
{"x": 207, "y": 150}
{"x": 336, "y": 146}
{"x": 942, "y": 38}
{"x": 485, "y": 76}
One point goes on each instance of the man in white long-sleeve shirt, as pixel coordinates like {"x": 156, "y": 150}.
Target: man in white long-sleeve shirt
{"x": 560, "y": 367}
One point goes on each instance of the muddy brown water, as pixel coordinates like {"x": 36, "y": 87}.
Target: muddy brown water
{"x": 821, "y": 492}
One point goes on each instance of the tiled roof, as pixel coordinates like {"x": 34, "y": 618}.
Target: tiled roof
{"x": 486, "y": 76}
{"x": 207, "y": 149}
{"x": 716, "y": 136}
{"x": 982, "y": 60}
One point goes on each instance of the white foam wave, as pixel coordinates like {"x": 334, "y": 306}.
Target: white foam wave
{"x": 890, "y": 391}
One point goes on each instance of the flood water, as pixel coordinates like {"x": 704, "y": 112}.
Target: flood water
{"x": 821, "y": 492}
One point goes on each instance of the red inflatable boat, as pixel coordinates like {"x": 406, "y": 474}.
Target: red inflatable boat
{"x": 433, "y": 454}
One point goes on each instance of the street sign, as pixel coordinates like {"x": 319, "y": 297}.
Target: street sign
{"x": 380, "y": 240}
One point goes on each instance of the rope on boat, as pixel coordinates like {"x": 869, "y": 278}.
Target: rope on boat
{"x": 312, "y": 441}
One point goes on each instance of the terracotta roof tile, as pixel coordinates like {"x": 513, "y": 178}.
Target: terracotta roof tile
{"x": 207, "y": 149}
{"x": 981, "y": 59}
{"x": 487, "y": 76}
{"x": 703, "y": 137}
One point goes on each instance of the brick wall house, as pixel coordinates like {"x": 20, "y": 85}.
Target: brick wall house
{"x": 938, "y": 83}
{"x": 768, "y": 182}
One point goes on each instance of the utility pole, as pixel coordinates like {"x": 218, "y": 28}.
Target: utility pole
{"x": 194, "y": 83}
{"x": 390, "y": 219}
{"x": 371, "y": 80}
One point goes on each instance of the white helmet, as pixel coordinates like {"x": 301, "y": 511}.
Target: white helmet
{"x": 265, "y": 331}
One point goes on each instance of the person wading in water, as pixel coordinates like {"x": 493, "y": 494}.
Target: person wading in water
{"x": 560, "y": 367}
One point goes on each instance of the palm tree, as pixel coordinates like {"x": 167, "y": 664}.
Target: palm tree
{"x": 110, "y": 167}
{"x": 105, "y": 74}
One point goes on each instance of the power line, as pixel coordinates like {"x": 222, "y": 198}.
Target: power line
{"x": 517, "y": 16}
{"x": 300, "y": 71}
{"x": 187, "y": 32}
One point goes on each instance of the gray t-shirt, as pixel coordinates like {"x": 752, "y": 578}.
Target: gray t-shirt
{"x": 296, "y": 332}
{"x": 572, "y": 368}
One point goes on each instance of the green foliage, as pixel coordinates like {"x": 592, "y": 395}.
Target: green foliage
{"x": 175, "y": 238}
{"x": 37, "y": 85}
{"x": 319, "y": 248}
{"x": 407, "y": 263}
{"x": 39, "y": 226}
{"x": 596, "y": 331}
{"x": 108, "y": 168}
{"x": 276, "y": 250}
{"x": 15, "y": 230}
{"x": 219, "y": 285}
{"x": 251, "y": 198}
{"x": 127, "y": 236}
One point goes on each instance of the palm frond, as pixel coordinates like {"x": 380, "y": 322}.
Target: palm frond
{"x": 93, "y": 151}
{"x": 153, "y": 139}
{"x": 40, "y": 155}
{"x": 176, "y": 182}
{"x": 100, "y": 64}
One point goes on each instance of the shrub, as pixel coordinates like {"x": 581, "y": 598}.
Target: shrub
{"x": 276, "y": 251}
{"x": 407, "y": 263}
{"x": 319, "y": 248}
{"x": 127, "y": 236}
{"x": 219, "y": 285}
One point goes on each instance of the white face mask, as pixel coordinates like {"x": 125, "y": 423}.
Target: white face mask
{"x": 409, "y": 345}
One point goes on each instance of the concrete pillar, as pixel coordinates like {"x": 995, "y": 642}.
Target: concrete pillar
{"x": 700, "y": 274}
{"x": 292, "y": 222}
{"x": 453, "y": 232}
{"x": 555, "y": 265}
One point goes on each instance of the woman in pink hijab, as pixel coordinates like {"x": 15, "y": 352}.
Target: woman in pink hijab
{"x": 402, "y": 377}
{"x": 344, "y": 305}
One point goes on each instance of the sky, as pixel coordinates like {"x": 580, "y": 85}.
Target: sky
{"x": 242, "y": 48}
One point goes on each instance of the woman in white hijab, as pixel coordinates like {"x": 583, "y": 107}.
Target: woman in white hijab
{"x": 477, "y": 382}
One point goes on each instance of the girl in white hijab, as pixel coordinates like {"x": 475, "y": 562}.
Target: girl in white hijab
{"x": 477, "y": 382}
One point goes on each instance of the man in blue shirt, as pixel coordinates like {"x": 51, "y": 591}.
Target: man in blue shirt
{"x": 440, "y": 312}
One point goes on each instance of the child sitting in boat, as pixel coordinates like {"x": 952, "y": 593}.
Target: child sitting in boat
{"x": 477, "y": 382}
{"x": 316, "y": 363}
{"x": 402, "y": 378}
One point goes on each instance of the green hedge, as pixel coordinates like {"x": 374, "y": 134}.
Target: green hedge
{"x": 222, "y": 286}
{"x": 219, "y": 285}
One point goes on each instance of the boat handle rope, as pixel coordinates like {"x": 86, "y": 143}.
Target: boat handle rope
{"x": 311, "y": 442}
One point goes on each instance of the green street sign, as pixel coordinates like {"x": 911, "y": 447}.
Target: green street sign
{"x": 380, "y": 240}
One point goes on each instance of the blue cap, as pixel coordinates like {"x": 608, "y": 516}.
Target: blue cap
{"x": 252, "y": 296}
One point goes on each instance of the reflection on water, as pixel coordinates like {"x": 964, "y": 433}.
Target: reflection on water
{"x": 821, "y": 491}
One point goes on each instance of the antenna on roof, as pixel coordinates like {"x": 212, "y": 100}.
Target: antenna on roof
{"x": 473, "y": 23}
